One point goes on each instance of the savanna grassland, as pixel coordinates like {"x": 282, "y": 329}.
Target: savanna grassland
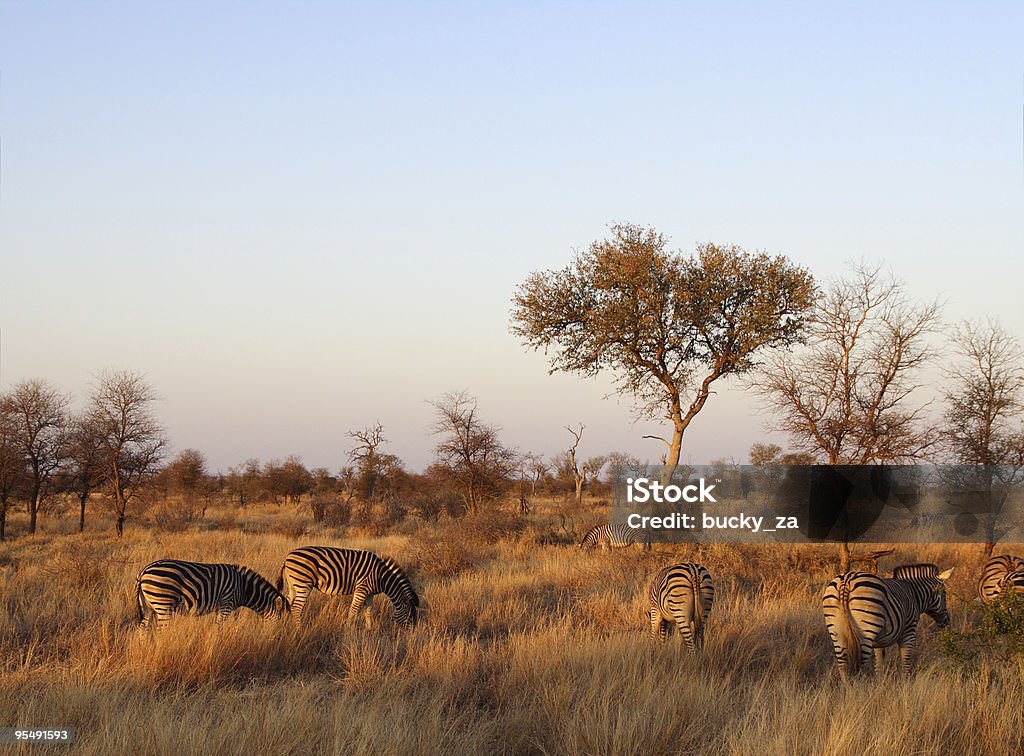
{"x": 527, "y": 645}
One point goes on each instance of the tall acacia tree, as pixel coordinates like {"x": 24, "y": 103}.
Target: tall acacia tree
{"x": 667, "y": 325}
{"x": 130, "y": 439}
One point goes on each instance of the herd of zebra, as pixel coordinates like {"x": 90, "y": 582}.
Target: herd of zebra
{"x": 864, "y": 613}
{"x": 171, "y": 586}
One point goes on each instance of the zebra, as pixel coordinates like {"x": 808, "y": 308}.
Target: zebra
{"x": 865, "y": 613}
{"x": 681, "y": 594}
{"x": 614, "y": 535}
{"x": 170, "y": 586}
{"x": 998, "y": 572}
{"x": 333, "y": 571}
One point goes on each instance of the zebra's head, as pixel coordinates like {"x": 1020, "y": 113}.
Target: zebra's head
{"x": 399, "y": 589}
{"x": 405, "y": 612}
{"x": 278, "y": 608}
{"x": 934, "y": 583}
{"x": 262, "y": 597}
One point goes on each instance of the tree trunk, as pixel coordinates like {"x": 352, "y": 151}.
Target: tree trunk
{"x": 990, "y": 546}
{"x": 33, "y": 509}
{"x": 81, "y": 514}
{"x": 3, "y": 522}
{"x": 579, "y": 490}
{"x": 844, "y": 557}
{"x": 121, "y": 505}
{"x": 675, "y": 449}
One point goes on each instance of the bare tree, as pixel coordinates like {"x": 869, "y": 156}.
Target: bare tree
{"x": 41, "y": 419}
{"x": 470, "y": 449}
{"x": 84, "y": 473}
{"x": 579, "y": 474}
{"x": 984, "y": 403}
{"x": 532, "y": 469}
{"x": 847, "y": 396}
{"x": 373, "y": 468}
{"x": 13, "y": 466}
{"x": 131, "y": 440}
{"x": 666, "y": 325}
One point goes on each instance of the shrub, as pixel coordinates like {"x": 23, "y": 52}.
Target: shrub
{"x": 999, "y": 634}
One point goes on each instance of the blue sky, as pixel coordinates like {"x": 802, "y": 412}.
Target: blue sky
{"x": 297, "y": 219}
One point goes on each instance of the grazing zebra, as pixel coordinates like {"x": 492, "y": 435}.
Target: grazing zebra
{"x": 682, "y": 595}
{"x": 614, "y": 536}
{"x": 335, "y": 572}
{"x": 170, "y": 586}
{"x": 998, "y": 572}
{"x": 865, "y": 613}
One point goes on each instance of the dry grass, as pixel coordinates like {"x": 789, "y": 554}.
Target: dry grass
{"x": 525, "y": 646}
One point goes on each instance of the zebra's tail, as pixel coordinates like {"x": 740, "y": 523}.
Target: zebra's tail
{"x": 848, "y": 635}
{"x": 280, "y": 579}
{"x": 698, "y": 606}
{"x": 138, "y": 600}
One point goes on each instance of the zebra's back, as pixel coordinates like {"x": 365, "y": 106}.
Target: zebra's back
{"x": 612, "y": 535}
{"x": 681, "y": 594}
{"x": 996, "y": 574}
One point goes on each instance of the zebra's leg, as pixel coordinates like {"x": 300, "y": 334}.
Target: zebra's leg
{"x": 162, "y": 618}
{"x": 145, "y": 615}
{"x": 879, "y": 653}
{"x": 659, "y": 628}
{"x": 867, "y": 654}
{"x": 907, "y": 654}
{"x": 359, "y": 597}
{"x": 367, "y": 606}
{"x": 224, "y": 611}
{"x": 299, "y": 593}
{"x": 685, "y": 629}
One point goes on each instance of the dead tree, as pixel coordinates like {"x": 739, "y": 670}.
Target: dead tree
{"x": 579, "y": 474}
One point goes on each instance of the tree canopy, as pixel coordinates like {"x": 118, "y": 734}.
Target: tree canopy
{"x": 665, "y": 324}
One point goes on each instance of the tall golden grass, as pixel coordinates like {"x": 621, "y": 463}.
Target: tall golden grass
{"x": 527, "y": 645}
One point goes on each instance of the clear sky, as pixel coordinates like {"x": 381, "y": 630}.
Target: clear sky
{"x": 297, "y": 219}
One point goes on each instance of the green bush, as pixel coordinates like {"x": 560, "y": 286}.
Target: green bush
{"x": 998, "y": 635}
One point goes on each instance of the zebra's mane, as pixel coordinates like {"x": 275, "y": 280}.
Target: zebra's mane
{"x": 252, "y": 577}
{"x": 905, "y": 571}
{"x": 404, "y": 584}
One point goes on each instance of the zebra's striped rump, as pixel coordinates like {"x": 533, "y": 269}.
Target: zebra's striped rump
{"x": 998, "y": 574}
{"x": 613, "y": 536}
{"x": 361, "y": 574}
{"x": 865, "y": 613}
{"x": 681, "y": 595}
{"x": 170, "y": 586}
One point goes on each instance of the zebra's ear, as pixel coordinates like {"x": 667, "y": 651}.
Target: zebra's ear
{"x": 944, "y": 576}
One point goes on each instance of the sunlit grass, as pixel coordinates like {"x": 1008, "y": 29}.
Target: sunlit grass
{"x": 524, "y": 645}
